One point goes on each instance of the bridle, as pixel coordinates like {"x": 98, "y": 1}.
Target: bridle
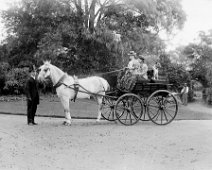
{"x": 60, "y": 81}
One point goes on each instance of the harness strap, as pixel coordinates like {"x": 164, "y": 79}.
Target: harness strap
{"x": 60, "y": 82}
{"x": 76, "y": 90}
{"x": 76, "y": 86}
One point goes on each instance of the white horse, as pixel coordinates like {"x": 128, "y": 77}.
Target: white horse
{"x": 155, "y": 70}
{"x": 66, "y": 87}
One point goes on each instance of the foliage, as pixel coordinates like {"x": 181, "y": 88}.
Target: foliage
{"x": 41, "y": 29}
{"x": 15, "y": 80}
{"x": 4, "y": 67}
{"x": 161, "y": 14}
{"x": 200, "y": 58}
{"x": 176, "y": 73}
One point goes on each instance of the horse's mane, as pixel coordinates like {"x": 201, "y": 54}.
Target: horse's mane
{"x": 48, "y": 63}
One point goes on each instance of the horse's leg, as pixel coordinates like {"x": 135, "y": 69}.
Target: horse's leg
{"x": 99, "y": 102}
{"x": 156, "y": 74}
{"x": 154, "y": 77}
{"x": 65, "y": 103}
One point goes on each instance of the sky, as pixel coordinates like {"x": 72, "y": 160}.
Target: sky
{"x": 199, "y": 18}
{"x": 3, "y": 6}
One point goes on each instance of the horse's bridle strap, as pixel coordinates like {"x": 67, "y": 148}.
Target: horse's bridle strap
{"x": 60, "y": 82}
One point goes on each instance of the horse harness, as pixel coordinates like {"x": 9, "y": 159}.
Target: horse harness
{"x": 75, "y": 86}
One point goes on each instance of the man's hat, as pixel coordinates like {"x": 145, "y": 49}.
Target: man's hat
{"x": 131, "y": 53}
{"x": 31, "y": 68}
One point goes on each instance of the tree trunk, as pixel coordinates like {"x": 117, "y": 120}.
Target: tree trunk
{"x": 86, "y": 16}
{"x": 92, "y": 16}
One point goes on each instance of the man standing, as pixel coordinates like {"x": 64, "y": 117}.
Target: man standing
{"x": 184, "y": 94}
{"x": 32, "y": 96}
{"x": 209, "y": 92}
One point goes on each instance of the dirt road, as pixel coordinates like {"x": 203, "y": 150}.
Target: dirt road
{"x": 87, "y": 145}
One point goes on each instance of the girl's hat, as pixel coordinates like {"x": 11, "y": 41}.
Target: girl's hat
{"x": 131, "y": 53}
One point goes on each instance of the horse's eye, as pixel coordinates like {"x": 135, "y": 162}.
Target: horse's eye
{"x": 45, "y": 70}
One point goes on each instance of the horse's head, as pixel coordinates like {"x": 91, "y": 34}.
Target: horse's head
{"x": 44, "y": 71}
{"x": 47, "y": 70}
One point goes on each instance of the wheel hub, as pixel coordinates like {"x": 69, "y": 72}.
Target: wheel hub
{"x": 161, "y": 107}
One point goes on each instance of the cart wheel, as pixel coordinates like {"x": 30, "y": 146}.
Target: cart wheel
{"x": 162, "y": 107}
{"x": 144, "y": 116}
{"x": 129, "y": 109}
{"x": 107, "y": 110}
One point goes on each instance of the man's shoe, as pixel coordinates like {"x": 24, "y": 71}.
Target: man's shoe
{"x": 34, "y": 123}
{"x": 30, "y": 124}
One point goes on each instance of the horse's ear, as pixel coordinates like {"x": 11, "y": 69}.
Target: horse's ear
{"x": 75, "y": 77}
{"x": 47, "y": 62}
{"x": 76, "y": 81}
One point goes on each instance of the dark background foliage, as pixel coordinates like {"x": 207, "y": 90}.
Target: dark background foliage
{"x": 82, "y": 37}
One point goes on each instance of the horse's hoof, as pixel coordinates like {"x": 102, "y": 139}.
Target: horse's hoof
{"x": 66, "y": 123}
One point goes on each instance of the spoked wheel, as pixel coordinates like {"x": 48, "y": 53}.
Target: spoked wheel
{"x": 162, "y": 107}
{"x": 129, "y": 109}
{"x": 144, "y": 116}
{"x": 108, "y": 105}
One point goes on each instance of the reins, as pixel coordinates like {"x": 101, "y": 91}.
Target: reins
{"x": 75, "y": 86}
{"x": 85, "y": 90}
{"x": 114, "y": 71}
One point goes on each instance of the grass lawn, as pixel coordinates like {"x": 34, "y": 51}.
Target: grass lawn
{"x": 51, "y": 106}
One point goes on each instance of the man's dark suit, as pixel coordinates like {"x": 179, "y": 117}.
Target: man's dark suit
{"x": 32, "y": 99}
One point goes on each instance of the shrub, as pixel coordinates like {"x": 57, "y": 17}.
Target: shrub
{"x": 177, "y": 75}
{"x": 2, "y": 80}
{"x": 15, "y": 80}
{"x": 4, "y": 67}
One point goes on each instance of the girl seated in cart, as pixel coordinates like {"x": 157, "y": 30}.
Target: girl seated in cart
{"x": 142, "y": 72}
{"x": 134, "y": 64}
{"x": 138, "y": 66}
{"x": 128, "y": 77}
{"x": 136, "y": 70}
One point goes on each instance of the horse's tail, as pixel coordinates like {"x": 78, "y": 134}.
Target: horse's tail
{"x": 105, "y": 84}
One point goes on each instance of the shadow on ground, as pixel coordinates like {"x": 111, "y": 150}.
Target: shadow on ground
{"x": 88, "y": 109}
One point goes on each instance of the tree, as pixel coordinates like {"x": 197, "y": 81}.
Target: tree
{"x": 80, "y": 35}
{"x": 176, "y": 72}
{"x": 200, "y": 58}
